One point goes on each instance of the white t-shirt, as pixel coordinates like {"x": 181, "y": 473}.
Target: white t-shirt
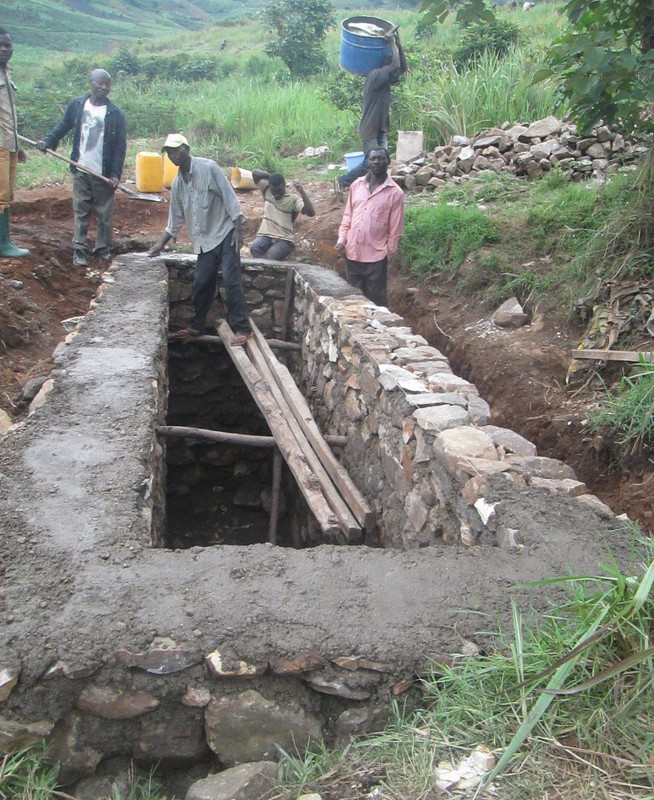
{"x": 91, "y": 143}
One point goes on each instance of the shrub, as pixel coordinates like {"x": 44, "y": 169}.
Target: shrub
{"x": 300, "y": 27}
{"x": 495, "y": 37}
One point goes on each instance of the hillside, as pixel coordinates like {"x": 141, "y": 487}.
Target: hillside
{"x": 99, "y": 25}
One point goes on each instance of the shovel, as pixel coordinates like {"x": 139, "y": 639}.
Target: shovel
{"x": 154, "y": 198}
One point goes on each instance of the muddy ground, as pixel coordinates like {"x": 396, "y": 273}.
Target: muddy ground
{"x": 521, "y": 373}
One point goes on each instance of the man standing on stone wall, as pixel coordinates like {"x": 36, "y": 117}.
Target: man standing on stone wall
{"x": 201, "y": 197}
{"x": 10, "y": 152}
{"x": 373, "y": 222}
{"x": 100, "y": 144}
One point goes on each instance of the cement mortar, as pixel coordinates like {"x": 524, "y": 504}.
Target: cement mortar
{"x": 81, "y": 583}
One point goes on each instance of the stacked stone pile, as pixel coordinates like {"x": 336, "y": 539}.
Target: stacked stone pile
{"x": 525, "y": 150}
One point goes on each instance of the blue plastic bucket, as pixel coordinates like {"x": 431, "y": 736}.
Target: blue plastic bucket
{"x": 363, "y": 51}
{"x": 354, "y": 159}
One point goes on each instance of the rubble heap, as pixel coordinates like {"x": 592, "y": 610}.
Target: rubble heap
{"x": 525, "y": 150}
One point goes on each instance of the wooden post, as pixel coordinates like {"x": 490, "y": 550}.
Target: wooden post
{"x": 276, "y": 491}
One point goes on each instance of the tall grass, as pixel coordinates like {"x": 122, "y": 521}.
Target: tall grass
{"x": 495, "y": 90}
{"x": 629, "y": 412}
{"x": 253, "y": 114}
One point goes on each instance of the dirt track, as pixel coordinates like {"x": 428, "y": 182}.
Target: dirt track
{"x": 521, "y": 373}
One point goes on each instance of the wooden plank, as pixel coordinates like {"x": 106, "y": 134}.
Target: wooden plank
{"x": 348, "y": 522}
{"x": 364, "y": 515}
{"x": 306, "y": 480}
{"x": 245, "y": 439}
{"x": 614, "y": 355}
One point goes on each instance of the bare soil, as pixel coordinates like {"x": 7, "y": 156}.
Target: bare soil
{"x": 521, "y": 373}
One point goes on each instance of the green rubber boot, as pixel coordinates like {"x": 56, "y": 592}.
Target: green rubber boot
{"x": 7, "y": 248}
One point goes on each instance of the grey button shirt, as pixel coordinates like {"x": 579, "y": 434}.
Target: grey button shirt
{"x": 207, "y": 203}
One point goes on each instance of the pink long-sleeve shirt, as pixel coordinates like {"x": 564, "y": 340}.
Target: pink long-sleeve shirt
{"x": 372, "y": 222}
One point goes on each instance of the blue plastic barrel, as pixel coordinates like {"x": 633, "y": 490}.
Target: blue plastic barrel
{"x": 363, "y": 50}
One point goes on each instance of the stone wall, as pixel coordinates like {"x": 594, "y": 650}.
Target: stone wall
{"x": 420, "y": 443}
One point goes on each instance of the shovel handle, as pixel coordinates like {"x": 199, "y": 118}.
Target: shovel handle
{"x": 67, "y": 160}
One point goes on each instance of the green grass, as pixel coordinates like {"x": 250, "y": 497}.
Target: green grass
{"x": 532, "y": 239}
{"x": 42, "y": 30}
{"x": 29, "y": 774}
{"x": 438, "y": 236}
{"x": 628, "y": 413}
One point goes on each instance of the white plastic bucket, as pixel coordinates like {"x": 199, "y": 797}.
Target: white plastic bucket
{"x": 354, "y": 159}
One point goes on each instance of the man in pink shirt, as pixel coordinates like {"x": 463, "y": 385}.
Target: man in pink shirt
{"x": 373, "y": 222}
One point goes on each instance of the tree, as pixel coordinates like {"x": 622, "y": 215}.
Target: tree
{"x": 604, "y": 60}
{"x": 300, "y": 27}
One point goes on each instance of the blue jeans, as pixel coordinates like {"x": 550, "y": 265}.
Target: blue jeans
{"x": 224, "y": 256}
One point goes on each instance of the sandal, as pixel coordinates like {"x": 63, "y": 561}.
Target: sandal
{"x": 184, "y": 333}
{"x": 241, "y": 339}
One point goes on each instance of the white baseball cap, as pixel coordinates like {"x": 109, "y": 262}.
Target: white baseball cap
{"x": 174, "y": 140}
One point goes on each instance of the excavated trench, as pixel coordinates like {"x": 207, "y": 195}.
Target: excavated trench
{"x": 220, "y": 492}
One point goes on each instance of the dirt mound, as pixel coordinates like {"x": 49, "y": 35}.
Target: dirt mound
{"x": 521, "y": 372}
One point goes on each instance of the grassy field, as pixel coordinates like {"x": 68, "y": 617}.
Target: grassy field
{"x": 45, "y": 29}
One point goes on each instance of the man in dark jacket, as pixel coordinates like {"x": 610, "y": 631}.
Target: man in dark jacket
{"x": 99, "y": 143}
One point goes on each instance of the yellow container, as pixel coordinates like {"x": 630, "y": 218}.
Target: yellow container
{"x": 169, "y": 171}
{"x": 241, "y": 179}
{"x": 149, "y": 172}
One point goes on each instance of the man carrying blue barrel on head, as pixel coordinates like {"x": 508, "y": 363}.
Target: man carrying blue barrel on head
{"x": 375, "y": 116}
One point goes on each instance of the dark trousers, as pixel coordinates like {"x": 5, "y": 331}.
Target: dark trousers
{"x": 370, "y": 277}
{"x": 274, "y": 249}
{"x": 223, "y": 257}
{"x": 91, "y": 193}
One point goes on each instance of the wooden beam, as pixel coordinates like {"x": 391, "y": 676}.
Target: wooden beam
{"x": 180, "y": 432}
{"x": 615, "y": 355}
{"x": 246, "y": 439}
{"x": 306, "y": 480}
{"x": 364, "y": 515}
{"x": 348, "y": 522}
{"x": 275, "y": 344}
{"x": 288, "y": 299}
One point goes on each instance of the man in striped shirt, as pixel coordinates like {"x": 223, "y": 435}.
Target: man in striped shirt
{"x": 373, "y": 222}
{"x": 201, "y": 197}
{"x": 280, "y": 208}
